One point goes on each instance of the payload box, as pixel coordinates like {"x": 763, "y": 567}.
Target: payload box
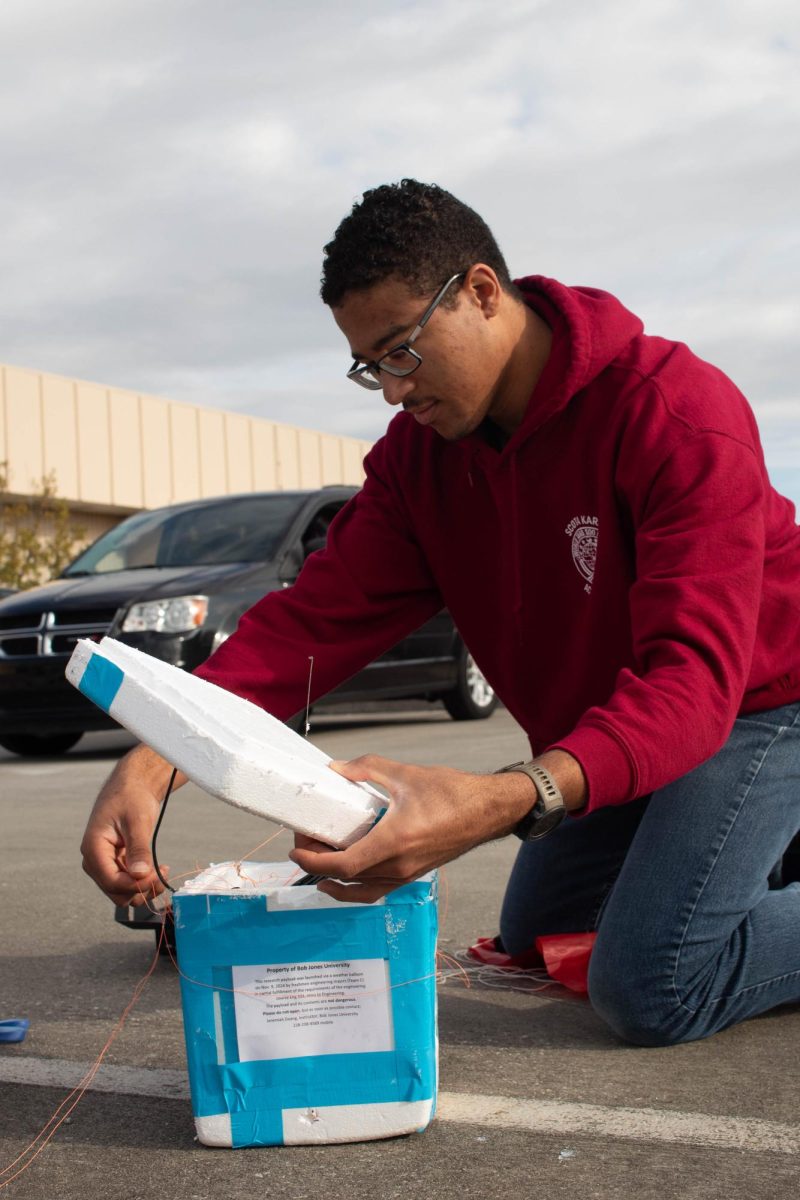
{"x": 306, "y": 1020}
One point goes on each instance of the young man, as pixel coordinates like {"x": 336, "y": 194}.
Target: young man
{"x": 592, "y": 506}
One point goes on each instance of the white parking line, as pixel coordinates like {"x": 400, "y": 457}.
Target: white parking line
{"x": 26, "y": 770}
{"x": 461, "y": 1108}
{"x": 630, "y": 1124}
{"x": 125, "y": 1081}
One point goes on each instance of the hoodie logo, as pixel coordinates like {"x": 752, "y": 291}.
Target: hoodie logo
{"x": 583, "y": 531}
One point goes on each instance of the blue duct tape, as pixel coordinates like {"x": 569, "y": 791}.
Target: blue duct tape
{"x": 228, "y": 929}
{"x": 257, "y": 1127}
{"x": 215, "y": 932}
{"x": 101, "y": 680}
{"x": 223, "y": 988}
{"x": 264, "y": 1089}
{"x": 317, "y": 1080}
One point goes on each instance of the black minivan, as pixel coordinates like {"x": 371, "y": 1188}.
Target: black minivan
{"x": 174, "y": 582}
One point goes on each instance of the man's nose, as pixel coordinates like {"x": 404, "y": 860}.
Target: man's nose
{"x": 396, "y": 387}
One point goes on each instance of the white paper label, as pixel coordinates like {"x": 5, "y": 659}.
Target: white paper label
{"x": 291, "y": 1010}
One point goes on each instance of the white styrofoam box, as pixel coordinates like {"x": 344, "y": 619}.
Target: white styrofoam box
{"x": 228, "y": 746}
{"x": 306, "y": 1020}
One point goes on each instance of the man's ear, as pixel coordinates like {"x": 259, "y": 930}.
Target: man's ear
{"x": 483, "y": 288}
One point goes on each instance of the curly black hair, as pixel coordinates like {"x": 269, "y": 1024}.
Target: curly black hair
{"x": 416, "y": 232}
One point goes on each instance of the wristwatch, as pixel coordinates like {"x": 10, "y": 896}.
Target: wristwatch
{"x": 549, "y": 809}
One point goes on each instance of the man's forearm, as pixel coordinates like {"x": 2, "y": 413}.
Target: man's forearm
{"x": 144, "y": 769}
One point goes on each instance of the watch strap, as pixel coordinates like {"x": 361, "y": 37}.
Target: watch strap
{"x": 547, "y": 811}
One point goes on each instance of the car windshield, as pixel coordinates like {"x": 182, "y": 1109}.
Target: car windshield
{"x": 239, "y": 529}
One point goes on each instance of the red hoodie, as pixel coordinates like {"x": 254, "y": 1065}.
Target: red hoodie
{"x": 622, "y": 570}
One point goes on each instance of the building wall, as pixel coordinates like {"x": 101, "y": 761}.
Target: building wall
{"x": 114, "y": 451}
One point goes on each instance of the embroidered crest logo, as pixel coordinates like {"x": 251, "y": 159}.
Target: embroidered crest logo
{"x": 583, "y": 531}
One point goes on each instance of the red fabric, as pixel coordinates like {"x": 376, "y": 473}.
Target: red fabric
{"x": 622, "y": 570}
{"x": 485, "y": 951}
{"x": 566, "y": 957}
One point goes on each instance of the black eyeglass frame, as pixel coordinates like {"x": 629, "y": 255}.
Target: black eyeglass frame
{"x": 358, "y": 372}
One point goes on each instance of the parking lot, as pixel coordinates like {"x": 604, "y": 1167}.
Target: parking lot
{"x": 537, "y": 1098}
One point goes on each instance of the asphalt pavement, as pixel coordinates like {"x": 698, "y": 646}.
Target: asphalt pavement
{"x": 537, "y": 1097}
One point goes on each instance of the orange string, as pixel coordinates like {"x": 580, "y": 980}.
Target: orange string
{"x": 197, "y": 868}
{"x": 453, "y": 963}
{"x": 47, "y": 1133}
{"x": 218, "y": 987}
{"x": 32, "y": 1151}
{"x": 281, "y": 829}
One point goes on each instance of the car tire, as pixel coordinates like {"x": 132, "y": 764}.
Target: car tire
{"x": 472, "y": 699}
{"x": 34, "y": 745}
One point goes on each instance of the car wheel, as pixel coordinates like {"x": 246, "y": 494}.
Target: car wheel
{"x": 34, "y": 745}
{"x": 472, "y": 698}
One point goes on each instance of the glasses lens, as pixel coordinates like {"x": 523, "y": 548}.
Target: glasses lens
{"x": 401, "y": 361}
{"x": 364, "y": 377}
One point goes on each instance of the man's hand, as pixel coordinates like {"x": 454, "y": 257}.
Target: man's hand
{"x": 435, "y": 814}
{"x": 116, "y": 844}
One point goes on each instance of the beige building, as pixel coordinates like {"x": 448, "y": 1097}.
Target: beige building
{"x": 114, "y": 451}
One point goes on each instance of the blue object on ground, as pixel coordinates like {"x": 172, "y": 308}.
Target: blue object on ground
{"x": 14, "y": 1030}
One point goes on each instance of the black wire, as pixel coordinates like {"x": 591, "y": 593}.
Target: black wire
{"x": 305, "y": 880}
{"x": 158, "y": 826}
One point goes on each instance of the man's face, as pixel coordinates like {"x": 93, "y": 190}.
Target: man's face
{"x": 453, "y": 388}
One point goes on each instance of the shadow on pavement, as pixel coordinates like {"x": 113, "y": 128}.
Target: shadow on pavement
{"x": 97, "y": 981}
{"x": 512, "y": 1021}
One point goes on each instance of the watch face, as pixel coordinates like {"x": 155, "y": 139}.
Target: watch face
{"x": 540, "y": 826}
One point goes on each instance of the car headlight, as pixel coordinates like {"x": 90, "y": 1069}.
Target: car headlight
{"x": 178, "y": 615}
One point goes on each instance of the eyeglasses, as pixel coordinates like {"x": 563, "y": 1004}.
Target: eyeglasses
{"x": 401, "y": 359}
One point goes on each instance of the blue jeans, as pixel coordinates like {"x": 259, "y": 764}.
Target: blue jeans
{"x": 694, "y": 928}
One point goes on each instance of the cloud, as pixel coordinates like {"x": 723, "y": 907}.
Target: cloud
{"x": 171, "y": 173}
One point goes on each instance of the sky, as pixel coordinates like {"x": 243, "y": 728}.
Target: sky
{"x": 171, "y": 170}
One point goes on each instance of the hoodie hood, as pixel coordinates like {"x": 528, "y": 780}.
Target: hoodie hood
{"x": 590, "y": 330}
